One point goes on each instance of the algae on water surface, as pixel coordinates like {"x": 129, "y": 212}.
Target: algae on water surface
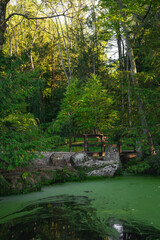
{"x": 116, "y": 206}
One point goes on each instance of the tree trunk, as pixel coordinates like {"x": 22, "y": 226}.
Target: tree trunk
{"x": 3, "y": 5}
{"x": 120, "y": 65}
{"x": 66, "y": 46}
{"x": 59, "y": 46}
{"x": 128, "y": 90}
{"x": 10, "y": 38}
{"x": 31, "y": 48}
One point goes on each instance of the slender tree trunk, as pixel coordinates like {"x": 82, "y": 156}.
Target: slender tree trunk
{"x": 66, "y": 44}
{"x": 120, "y": 66}
{"x": 94, "y": 55}
{"x": 10, "y": 38}
{"x": 59, "y": 44}
{"x": 59, "y": 47}
{"x": 128, "y": 90}
{"x": 94, "y": 29}
{"x": 15, "y": 41}
{"x": 66, "y": 48}
{"x": 25, "y": 31}
{"x": 52, "y": 74}
{"x": 33, "y": 40}
{"x": 135, "y": 82}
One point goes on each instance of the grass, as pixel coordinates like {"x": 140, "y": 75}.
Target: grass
{"x": 64, "y": 148}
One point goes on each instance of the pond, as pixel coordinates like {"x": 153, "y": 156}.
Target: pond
{"x": 119, "y": 208}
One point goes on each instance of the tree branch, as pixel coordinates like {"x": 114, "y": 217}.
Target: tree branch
{"x": 35, "y": 18}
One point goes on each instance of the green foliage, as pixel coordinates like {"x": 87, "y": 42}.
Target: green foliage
{"x": 4, "y": 186}
{"x": 86, "y": 108}
{"x": 18, "y": 122}
{"x": 16, "y": 145}
{"x": 139, "y": 168}
{"x": 26, "y": 176}
{"x": 18, "y": 86}
{"x": 21, "y": 140}
{"x": 154, "y": 164}
{"x": 150, "y": 165}
{"x": 81, "y": 174}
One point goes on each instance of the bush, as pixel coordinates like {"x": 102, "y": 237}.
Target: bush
{"x": 21, "y": 140}
{"x": 141, "y": 167}
{"x": 150, "y": 165}
{"x": 154, "y": 164}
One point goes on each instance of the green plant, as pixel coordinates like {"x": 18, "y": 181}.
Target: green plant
{"x": 149, "y": 165}
{"x": 141, "y": 167}
{"x": 21, "y": 140}
{"x": 81, "y": 174}
{"x": 4, "y": 186}
{"x": 154, "y": 164}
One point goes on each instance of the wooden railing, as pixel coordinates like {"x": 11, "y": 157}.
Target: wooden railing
{"x": 97, "y": 141}
{"x": 89, "y": 140}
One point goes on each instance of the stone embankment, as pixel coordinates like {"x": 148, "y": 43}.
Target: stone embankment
{"x": 57, "y": 167}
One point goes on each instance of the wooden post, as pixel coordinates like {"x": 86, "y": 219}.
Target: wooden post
{"x": 103, "y": 145}
{"x": 119, "y": 145}
{"x": 85, "y": 143}
{"x": 70, "y": 143}
{"x": 98, "y": 139}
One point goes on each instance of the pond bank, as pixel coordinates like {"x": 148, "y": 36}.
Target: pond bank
{"x": 54, "y": 167}
{"x": 33, "y": 177}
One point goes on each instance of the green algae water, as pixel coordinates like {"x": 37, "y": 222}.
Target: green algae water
{"x": 119, "y": 208}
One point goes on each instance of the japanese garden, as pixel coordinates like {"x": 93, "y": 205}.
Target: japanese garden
{"x": 79, "y": 119}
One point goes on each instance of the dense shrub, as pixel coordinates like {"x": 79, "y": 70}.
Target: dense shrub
{"x": 150, "y": 165}
{"x": 154, "y": 164}
{"x": 21, "y": 140}
{"x": 140, "y": 167}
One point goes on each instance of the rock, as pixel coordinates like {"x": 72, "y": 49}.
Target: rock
{"x": 94, "y": 164}
{"x": 107, "y": 171}
{"x": 43, "y": 159}
{"x": 99, "y": 168}
{"x": 78, "y": 159}
{"x": 112, "y": 155}
{"x": 60, "y": 159}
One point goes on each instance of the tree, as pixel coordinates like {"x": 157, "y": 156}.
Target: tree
{"x": 88, "y": 109}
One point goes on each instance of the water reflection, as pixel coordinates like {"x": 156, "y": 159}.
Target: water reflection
{"x": 71, "y": 218}
{"x": 132, "y": 231}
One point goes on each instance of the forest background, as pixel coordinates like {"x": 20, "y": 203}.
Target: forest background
{"x": 57, "y": 79}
